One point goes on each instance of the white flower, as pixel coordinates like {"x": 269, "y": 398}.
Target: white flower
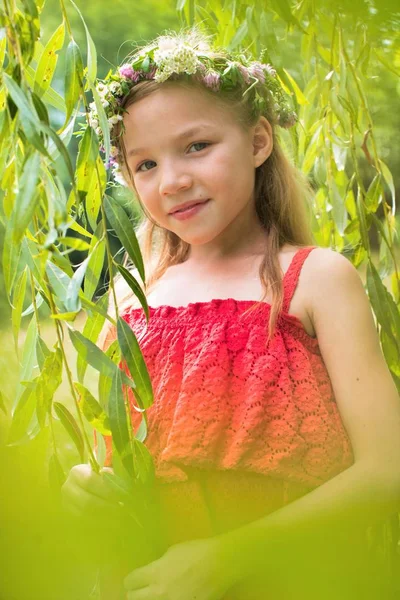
{"x": 93, "y": 123}
{"x": 92, "y": 106}
{"x": 115, "y": 88}
{"x": 114, "y": 152}
{"x": 181, "y": 58}
{"x": 166, "y": 43}
{"x": 114, "y": 119}
{"x": 105, "y": 102}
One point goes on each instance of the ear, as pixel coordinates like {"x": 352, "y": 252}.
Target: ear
{"x": 262, "y": 141}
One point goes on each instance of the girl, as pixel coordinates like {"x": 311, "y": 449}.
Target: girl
{"x": 275, "y": 429}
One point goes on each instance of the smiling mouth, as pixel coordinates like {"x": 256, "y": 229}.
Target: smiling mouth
{"x": 189, "y": 207}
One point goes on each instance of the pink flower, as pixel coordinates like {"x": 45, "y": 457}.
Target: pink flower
{"x": 257, "y": 71}
{"x": 212, "y": 80}
{"x": 127, "y": 72}
{"x": 270, "y": 70}
{"x": 245, "y": 72}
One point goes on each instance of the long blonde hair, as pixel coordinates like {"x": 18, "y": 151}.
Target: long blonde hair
{"x": 282, "y": 202}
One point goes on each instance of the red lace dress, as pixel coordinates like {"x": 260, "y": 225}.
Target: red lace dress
{"x": 239, "y": 427}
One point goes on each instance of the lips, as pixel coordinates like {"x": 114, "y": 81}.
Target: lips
{"x": 187, "y": 205}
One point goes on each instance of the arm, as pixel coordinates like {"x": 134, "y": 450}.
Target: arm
{"x": 369, "y": 491}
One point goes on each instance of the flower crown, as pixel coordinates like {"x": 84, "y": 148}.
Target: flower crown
{"x": 187, "y": 53}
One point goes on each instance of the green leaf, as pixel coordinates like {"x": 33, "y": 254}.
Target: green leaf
{"x": 91, "y": 331}
{"x": 95, "y": 266}
{"x": 137, "y": 367}
{"x": 3, "y": 403}
{"x": 28, "y": 357}
{"x": 73, "y": 78}
{"x": 59, "y": 281}
{"x": 103, "y": 122}
{"x": 25, "y": 203}
{"x": 47, "y": 383}
{"x": 91, "y": 49}
{"x": 239, "y": 36}
{"x": 135, "y": 287}
{"x": 27, "y": 112}
{"x": 96, "y": 357}
{"x": 119, "y": 421}
{"x": 97, "y": 187}
{"x": 144, "y": 463}
{"x": 92, "y": 411}
{"x": 113, "y": 352}
{"x": 71, "y": 427}
{"x": 389, "y": 180}
{"x": 391, "y": 352}
{"x": 11, "y": 257}
{"x": 338, "y": 207}
{"x": 72, "y": 302}
{"x": 50, "y": 96}
{"x": 383, "y": 304}
{"x": 75, "y": 243}
{"x": 86, "y": 160}
{"x": 124, "y": 229}
{"x": 300, "y": 97}
{"x": 22, "y": 416}
{"x": 362, "y": 219}
{"x": 373, "y": 194}
{"x": 18, "y": 300}
{"x": 42, "y": 351}
{"x": 48, "y": 61}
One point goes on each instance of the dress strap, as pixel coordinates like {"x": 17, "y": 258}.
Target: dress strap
{"x": 292, "y": 275}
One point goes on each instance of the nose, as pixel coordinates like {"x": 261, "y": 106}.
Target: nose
{"x": 173, "y": 179}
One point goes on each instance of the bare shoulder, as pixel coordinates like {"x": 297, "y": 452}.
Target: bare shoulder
{"x": 323, "y": 270}
{"x": 349, "y": 344}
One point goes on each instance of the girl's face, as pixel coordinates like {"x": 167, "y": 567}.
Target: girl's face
{"x": 183, "y": 146}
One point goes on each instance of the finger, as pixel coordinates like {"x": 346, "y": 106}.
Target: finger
{"x": 139, "y": 578}
{"x": 142, "y": 594}
{"x": 88, "y": 504}
{"x": 85, "y": 478}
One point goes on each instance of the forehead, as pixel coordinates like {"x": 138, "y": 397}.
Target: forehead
{"x": 173, "y": 109}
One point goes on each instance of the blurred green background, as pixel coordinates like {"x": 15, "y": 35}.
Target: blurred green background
{"x": 46, "y": 557}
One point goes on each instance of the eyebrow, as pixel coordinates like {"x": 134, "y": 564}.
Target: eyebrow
{"x": 185, "y": 134}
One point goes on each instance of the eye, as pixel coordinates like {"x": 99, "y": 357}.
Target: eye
{"x": 146, "y": 162}
{"x": 200, "y": 144}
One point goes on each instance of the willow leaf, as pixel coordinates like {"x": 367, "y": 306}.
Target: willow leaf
{"x": 48, "y": 61}
{"x": 73, "y": 78}
{"x": 22, "y": 416}
{"x": 383, "y": 304}
{"x": 25, "y": 204}
{"x": 96, "y": 357}
{"x": 47, "y": 383}
{"x": 91, "y": 49}
{"x": 28, "y": 357}
{"x": 135, "y": 287}
{"x": 18, "y": 300}
{"x": 134, "y": 359}
{"x": 119, "y": 421}
{"x": 92, "y": 411}
{"x": 144, "y": 463}
{"x": 95, "y": 267}
{"x": 71, "y": 427}
{"x": 91, "y": 331}
{"x": 72, "y": 302}
{"x": 124, "y": 229}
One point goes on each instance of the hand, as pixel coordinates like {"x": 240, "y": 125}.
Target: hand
{"x": 87, "y": 494}
{"x": 191, "y": 570}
